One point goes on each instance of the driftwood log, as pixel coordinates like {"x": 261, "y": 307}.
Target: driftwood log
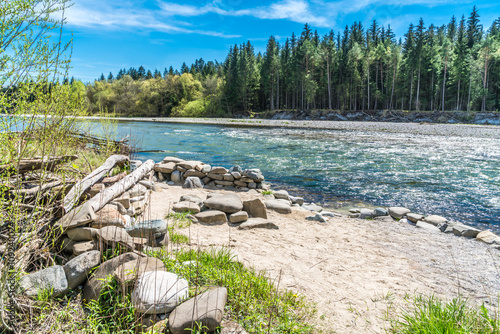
{"x": 85, "y": 213}
{"x": 80, "y": 187}
{"x": 27, "y": 165}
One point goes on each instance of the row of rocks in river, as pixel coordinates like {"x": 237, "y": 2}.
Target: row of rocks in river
{"x": 196, "y": 174}
{"x": 432, "y": 223}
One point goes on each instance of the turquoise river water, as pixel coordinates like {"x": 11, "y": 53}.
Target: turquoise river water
{"x": 454, "y": 176}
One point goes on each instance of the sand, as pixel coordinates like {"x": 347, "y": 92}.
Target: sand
{"x": 357, "y": 272}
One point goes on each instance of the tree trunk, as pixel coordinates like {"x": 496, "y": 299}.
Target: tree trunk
{"x": 329, "y": 84}
{"x": 444, "y": 81}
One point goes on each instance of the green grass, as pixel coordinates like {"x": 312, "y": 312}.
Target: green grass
{"x": 253, "y": 299}
{"x": 429, "y": 315}
{"x": 177, "y": 221}
{"x": 267, "y": 192}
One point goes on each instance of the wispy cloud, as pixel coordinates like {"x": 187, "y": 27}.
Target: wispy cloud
{"x": 106, "y": 16}
{"x": 293, "y": 10}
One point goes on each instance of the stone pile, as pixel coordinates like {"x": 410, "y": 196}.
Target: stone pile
{"x": 431, "y": 223}
{"x": 196, "y": 174}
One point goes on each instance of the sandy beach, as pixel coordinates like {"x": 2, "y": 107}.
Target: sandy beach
{"x": 357, "y": 272}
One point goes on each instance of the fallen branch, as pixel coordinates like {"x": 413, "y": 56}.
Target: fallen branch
{"x": 80, "y": 187}
{"x": 26, "y": 165}
{"x": 85, "y": 213}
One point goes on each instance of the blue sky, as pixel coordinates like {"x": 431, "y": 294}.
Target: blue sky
{"x": 109, "y": 34}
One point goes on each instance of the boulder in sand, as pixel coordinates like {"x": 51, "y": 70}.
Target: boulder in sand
{"x": 211, "y": 217}
{"x": 229, "y": 203}
{"x": 278, "y": 206}
{"x": 255, "y": 208}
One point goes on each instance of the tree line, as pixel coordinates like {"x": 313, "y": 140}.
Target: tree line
{"x": 450, "y": 67}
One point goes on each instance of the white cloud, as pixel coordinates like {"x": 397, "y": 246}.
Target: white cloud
{"x": 104, "y": 16}
{"x": 293, "y": 10}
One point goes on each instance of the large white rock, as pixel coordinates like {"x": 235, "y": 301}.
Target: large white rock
{"x": 159, "y": 292}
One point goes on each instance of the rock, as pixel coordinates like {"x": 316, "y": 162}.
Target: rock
{"x": 206, "y": 180}
{"x": 257, "y": 223}
{"x": 158, "y": 292}
{"x": 218, "y": 177}
{"x": 398, "y": 212}
{"x": 181, "y": 169}
{"x": 488, "y": 237}
{"x": 211, "y": 217}
{"x": 296, "y": 200}
{"x": 281, "y": 194}
{"x": 229, "y": 203}
{"x": 170, "y": 183}
{"x": 83, "y": 247}
{"x": 206, "y": 169}
{"x": 119, "y": 207}
{"x": 405, "y": 221}
{"x": 108, "y": 216}
{"x": 365, "y": 214}
{"x": 414, "y": 217}
{"x": 191, "y": 164}
{"x": 330, "y": 214}
{"x": 435, "y": 220}
{"x": 113, "y": 236}
{"x": 232, "y": 327}
{"x": 52, "y": 280}
{"x": 238, "y": 217}
{"x": 252, "y": 185}
{"x": 193, "y": 182}
{"x": 140, "y": 243}
{"x": 161, "y": 178}
{"x": 463, "y": 230}
{"x": 148, "y": 229}
{"x": 203, "y": 311}
{"x": 124, "y": 200}
{"x": 77, "y": 269}
{"x": 94, "y": 285}
{"x": 172, "y": 159}
{"x": 186, "y": 207}
{"x": 255, "y": 208}
{"x": 82, "y": 233}
{"x": 228, "y": 177}
{"x": 176, "y": 177}
{"x": 148, "y": 184}
{"x": 137, "y": 199}
{"x": 254, "y": 174}
{"x": 236, "y": 168}
{"x": 96, "y": 188}
{"x": 236, "y": 175}
{"x": 312, "y": 207}
{"x": 278, "y": 206}
{"x": 193, "y": 172}
{"x": 354, "y": 210}
{"x": 225, "y": 183}
{"x": 137, "y": 190}
{"x": 166, "y": 168}
{"x": 240, "y": 183}
{"x": 427, "y": 226}
{"x": 191, "y": 198}
{"x": 218, "y": 170}
{"x": 127, "y": 273}
{"x": 352, "y": 215}
{"x": 318, "y": 218}
{"x": 379, "y": 212}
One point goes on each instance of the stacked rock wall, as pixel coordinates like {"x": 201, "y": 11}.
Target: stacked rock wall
{"x": 187, "y": 172}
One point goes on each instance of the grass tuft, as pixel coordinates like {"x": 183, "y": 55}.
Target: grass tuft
{"x": 429, "y": 315}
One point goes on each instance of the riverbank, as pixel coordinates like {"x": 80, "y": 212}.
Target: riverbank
{"x": 357, "y": 272}
{"x": 460, "y": 130}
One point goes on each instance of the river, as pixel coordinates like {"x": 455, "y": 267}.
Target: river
{"x": 457, "y": 176}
